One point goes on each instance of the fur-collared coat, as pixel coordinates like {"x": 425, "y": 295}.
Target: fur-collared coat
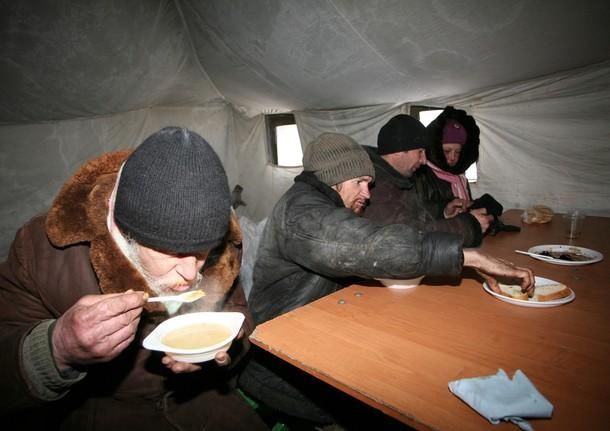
{"x": 58, "y": 257}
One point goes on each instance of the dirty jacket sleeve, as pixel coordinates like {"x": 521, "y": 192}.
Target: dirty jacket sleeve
{"x": 334, "y": 242}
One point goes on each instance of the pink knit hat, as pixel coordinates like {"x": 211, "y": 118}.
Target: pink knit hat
{"x": 454, "y": 133}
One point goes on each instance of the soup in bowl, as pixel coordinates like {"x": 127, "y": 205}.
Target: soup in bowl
{"x": 195, "y": 337}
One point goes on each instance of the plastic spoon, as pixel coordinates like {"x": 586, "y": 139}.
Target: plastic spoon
{"x": 191, "y": 296}
{"x": 541, "y": 256}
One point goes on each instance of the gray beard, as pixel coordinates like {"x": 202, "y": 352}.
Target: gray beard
{"x": 130, "y": 249}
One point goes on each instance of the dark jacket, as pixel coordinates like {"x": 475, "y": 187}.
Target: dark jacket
{"x": 312, "y": 243}
{"x": 311, "y": 246}
{"x": 394, "y": 199}
{"x": 434, "y": 192}
{"x": 57, "y": 258}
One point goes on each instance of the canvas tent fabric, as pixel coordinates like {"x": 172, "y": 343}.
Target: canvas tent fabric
{"x": 79, "y": 78}
{"x": 543, "y": 141}
{"x": 547, "y": 140}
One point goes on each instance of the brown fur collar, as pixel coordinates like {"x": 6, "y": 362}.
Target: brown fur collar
{"x": 78, "y": 215}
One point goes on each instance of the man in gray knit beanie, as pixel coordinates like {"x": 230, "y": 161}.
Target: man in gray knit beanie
{"x": 334, "y": 158}
{"x": 339, "y": 162}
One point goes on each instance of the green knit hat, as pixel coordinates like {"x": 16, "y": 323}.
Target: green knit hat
{"x": 334, "y": 158}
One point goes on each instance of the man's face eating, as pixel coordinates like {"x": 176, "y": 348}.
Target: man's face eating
{"x": 355, "y": 193}
{"x": 165, "y": 273}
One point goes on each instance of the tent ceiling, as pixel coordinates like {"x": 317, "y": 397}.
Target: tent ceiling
{"x": 74, "y": 58}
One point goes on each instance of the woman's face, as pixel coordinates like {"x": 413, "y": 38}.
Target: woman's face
{"x": 452, "y": 153}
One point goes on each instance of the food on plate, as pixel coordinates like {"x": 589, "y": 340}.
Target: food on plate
{"x": 565, "y": 255}
{"x": 513, "y": 291}
{"x": 537, "y": 214}
{"x": 545, "y": 292}
{"x": 548, "y": 292}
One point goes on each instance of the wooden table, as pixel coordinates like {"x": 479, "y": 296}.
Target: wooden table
{"x": 397, "y": 350}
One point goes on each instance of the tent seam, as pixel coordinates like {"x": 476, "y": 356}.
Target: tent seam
{"x": 194, "y": 51}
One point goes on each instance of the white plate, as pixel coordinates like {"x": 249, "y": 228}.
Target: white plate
{"x": 591, "y": 255}
{"x": 540, "y": 281}
{"x": 232, "y": 320}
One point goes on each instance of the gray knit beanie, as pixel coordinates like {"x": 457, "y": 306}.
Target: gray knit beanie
{"x": 334, "y": 158}
{"x": 173, "y": 193}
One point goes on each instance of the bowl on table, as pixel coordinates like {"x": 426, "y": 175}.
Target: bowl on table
{"x": 400, "y": 284}
{"x": 195, "y": 337}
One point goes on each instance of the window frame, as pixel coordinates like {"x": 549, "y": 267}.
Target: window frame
{"x": 414, "y": 110}
{"x": 272, "y": 121}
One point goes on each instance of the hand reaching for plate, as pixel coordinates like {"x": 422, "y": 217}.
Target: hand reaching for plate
{"x": 490, "y": 267}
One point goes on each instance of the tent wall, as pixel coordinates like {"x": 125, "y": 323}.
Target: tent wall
{"x": 362, "y": 124}
{"x": 35, "y": 160}
{"x": 543, "y": 141}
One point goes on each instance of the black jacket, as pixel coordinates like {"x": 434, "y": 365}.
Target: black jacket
{"x": 394, "y": 199}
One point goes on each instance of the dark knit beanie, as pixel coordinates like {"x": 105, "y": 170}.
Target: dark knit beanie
{"x": 173, "y": 193}
{"x": 334, "y": 158}
{"x": 401, "y": 133}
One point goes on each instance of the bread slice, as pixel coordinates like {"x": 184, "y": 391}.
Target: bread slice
{"x": 549, "y": 292}
{"x": 513, "y": 291}
{"x": 545, "y": 292}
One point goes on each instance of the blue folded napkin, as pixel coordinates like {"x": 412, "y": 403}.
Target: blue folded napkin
{"x": 497, "y": 398}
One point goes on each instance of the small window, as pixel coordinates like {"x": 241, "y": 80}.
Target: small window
{"x": 471, "y": 173}
{"x": 426, "y": 115}
{"x": 283, "y": 141}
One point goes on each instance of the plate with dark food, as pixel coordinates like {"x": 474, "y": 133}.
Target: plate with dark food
{"x": 568, "y": 255}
